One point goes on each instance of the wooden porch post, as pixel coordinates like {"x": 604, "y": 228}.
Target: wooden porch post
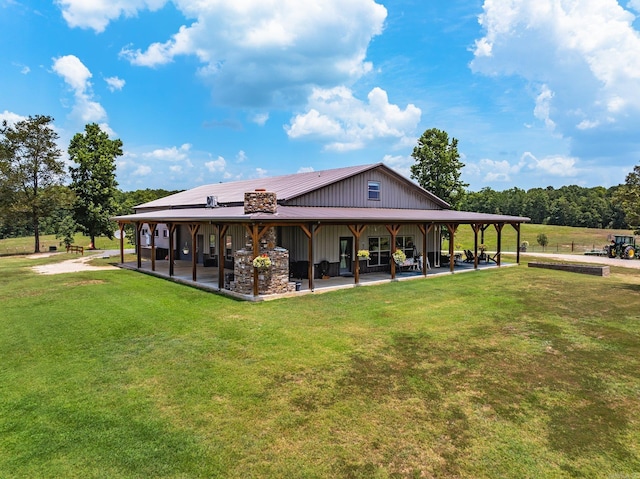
{"x": 121, "y": 227}
{"x": 476, "y": 227}
{"x": 308, "y": 231}
{"x": 425, "y": 230}
{"x": 139, "y": 243}
{"x": 516, "y": 226}
{"x": 452, "y": 227}
{"x": 172, "y": 230}
{"x": 393, "y": 229}
{"x": 499, "y": 227}
{"x": 152, "y": 231}
{"x": 356, "y": 231}
{"x": 222, "y": 231}
{"x": 193, "y": 229}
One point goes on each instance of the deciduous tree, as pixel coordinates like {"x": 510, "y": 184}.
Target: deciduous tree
{"x": 438, "y": 166}
{"x": 30, "y": 166}
{"x": 93, "y": 180}
{"x": 628, "y": 198}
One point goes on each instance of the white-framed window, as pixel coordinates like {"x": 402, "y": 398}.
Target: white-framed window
{"x": 165, "y": 233}
{"x": 379, "y": 250}
{"x": 374, "y": 190}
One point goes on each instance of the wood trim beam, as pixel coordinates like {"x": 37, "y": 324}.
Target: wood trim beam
{"x": 221, "y": 232}
{"x": 476, "y": 228}
{"x": 309, "y": 232}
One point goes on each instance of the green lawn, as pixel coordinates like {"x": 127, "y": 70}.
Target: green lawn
{"x": 506, "y": 373}
{"x": 9, "y": 246}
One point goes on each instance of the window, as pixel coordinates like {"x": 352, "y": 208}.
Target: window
{"x": 212, "y": 245}
{"x": 165, "y": 233}
{"x": 157, "y": 234}
{"x": 406, "y": 244}
{"x": 379, "y": 250}
{"x": 228, "y": 247}
{"x": 374, "y": 190}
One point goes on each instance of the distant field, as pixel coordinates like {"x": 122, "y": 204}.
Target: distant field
{"x": 560, "y": 239}
{"x": 26, "y": 244}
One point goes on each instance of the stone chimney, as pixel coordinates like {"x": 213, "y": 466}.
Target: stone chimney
{"x": 260, "y": 201}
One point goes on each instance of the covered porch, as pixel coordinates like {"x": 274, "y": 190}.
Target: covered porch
{"x": 208, "y": 277}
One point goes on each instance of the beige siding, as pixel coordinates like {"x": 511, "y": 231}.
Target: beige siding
{"x": 353, "y": 192}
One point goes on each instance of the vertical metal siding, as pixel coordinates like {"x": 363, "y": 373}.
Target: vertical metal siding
{"x": 353, "y": 192}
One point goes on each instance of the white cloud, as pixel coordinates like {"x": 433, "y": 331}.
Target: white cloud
{"x": 584, "y": 53}
{"x": 241, "y": 157}
{"x": 346, "y": 123}
{"x": 261, "y": 172}
{"x": 217, "y": 165}
{"x": 260, "y": 118}
{"x": 554, "y": 165}
{"x": 170, "y": 154}
{"x": 175, "y": 169}
{"x": 11, "y": 118}
{"x": 142, "y": 170}
{"x": 115, "y": 83}
{"x": 266, "y": 52}
{"x": 400, "y": 164}
{"x": 96, "y": 14}
{"x": 305, "y": 169}
{"x": 77, "y": 76}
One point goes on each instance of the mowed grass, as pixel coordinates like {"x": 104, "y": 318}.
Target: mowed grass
{"x": 506, "y": 373}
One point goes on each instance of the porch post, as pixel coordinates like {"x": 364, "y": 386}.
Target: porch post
{"x": 152, "y": 231}
{"x": 499, "y": 227}
{"x": 516, "y": 226}
{"x": 172, "y": 230}
{"x": 393, "y": 229}
{"x": 452, "y": 227}
{"x": 139, "y": 243}
{"x": 425, "y": 230}
{"x": 476, "y": 227}
{"x": 121, "y": 227}
{"x": 356, "y": 231}
{"x": 222, "y": 230}
{"x": 255, "y": 238}
{"x": 193, "y": 229}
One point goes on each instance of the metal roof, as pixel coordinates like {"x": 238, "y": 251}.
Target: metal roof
{"x": 300, "y": 214}
{"x": 286, "y": 187}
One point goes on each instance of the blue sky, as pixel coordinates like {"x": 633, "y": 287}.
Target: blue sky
{"x": 537, "y": 92}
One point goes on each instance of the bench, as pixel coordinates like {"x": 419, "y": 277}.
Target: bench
{"x": 75, "y": 249}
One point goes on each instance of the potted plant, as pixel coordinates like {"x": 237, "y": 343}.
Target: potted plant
{"x": 185, "y": 250}
{"x": 523, "y": 246}
{"x": 399, "y": 257}
{"x": 363, "y": 254}
{"x": 262, "y": 262}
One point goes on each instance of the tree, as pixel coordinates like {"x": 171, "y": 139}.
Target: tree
{"x": 438, "y": 165}
{"x": 627, "y": 196}
{"x": 542, "y": 240}
{"x": 30, "y": 166}
{"x": 93, "y": 180}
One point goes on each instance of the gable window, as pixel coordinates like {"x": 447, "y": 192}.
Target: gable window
{"x": 379, "y": 250}
{"x": 374, "y": 190}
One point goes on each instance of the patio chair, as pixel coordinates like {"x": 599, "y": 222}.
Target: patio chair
{"x": 469, "y": 258}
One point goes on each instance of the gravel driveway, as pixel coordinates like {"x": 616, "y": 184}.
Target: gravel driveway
{"x": 578, "y": 258}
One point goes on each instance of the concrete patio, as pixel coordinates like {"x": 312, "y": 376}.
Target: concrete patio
{"x": 207, "y": 277}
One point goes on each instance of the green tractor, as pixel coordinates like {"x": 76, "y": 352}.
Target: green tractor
{"x": 622, "y": 246}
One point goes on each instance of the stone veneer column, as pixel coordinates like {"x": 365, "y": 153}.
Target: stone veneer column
{"x": 275, "y": 280}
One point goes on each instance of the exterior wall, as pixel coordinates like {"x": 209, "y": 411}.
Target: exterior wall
{"x": 353, "y": 192}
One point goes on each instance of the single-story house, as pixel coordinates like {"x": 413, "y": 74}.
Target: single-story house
{"x": 310, "y": 225}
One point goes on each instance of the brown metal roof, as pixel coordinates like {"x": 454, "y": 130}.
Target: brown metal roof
{"x": 298, "y": 214}
{"x": 286, "y": 187}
